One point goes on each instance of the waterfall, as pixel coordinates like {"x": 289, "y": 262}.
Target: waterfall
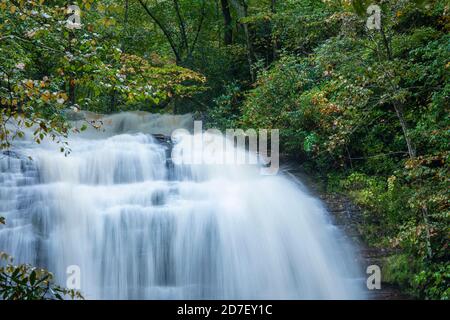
{"x": 141, "y": 227}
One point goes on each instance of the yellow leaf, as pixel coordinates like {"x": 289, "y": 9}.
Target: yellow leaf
{"x": 12, "y": 9}
{"x": 29, "y": 83}
{"x": 45, "y": 96}
{"x": 64, "y": 96}
{"x": 101, "y": 8}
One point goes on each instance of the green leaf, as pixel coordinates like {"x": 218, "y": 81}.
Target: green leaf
{"x": 33, "y": 277}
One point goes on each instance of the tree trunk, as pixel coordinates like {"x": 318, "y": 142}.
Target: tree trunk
{"x": 72, "y": 98}
{"x": 401, "y": 118}
{"x": 165, "y": 31}
{"x": 427, "y": 230}
{"x": 126, "y": 12}
{"x": 274, "y": 39}
{"x": 228, "y": 32}
{"x": 181, "y": 26}
{"x": 398, "y": 108}
{"x": 112, "y": 106}
{"x": 241, "y": 9}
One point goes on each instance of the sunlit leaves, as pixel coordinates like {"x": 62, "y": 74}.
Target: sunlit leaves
{"x": 41, "y": 61}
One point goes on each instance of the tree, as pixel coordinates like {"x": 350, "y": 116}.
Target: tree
{"x": 46, "y": 68}
{"x": 227, "y": 20}
{"x": 183, "y": 47}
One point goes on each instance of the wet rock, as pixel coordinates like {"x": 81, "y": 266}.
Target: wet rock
{"x": 349, "y": 218}
{"x": 72, "y": 115}
{"x": 158, "y": 198}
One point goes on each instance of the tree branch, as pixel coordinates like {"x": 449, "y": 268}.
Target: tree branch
{"x": 164, "y": 30}
{"x": 202, "y": 17}
{"x": 181, "y": 25}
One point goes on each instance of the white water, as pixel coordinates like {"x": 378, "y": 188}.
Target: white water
{"x": 139, "y": 229}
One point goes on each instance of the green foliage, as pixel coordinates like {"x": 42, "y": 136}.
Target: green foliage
{"x": 434, "y": 282}
{"x": 24, "y": 282}
{"x": 300, "y": 26}
{"x": 397, "y": 269}
{"x": 46, "y": 68}
{"x": 225, "y": 113}
{"x": 430, "y": 281}
{"x": 369, "y": 109}
{"x": 281, "y": 100}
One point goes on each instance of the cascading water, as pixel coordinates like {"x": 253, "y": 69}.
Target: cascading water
{"x": 139, "y": 228}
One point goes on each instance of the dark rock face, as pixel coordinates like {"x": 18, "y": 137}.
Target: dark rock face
{"x": 72, "y": 115}
{"x": 349, "y": 217}
{"x": 158, "y": 198}
{"x": 166, "y": 141}
{"x": 163, "y": 139}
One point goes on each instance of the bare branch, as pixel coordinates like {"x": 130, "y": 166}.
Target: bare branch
{"x": 163, "y": 29}
{"x": 202, "y": 17}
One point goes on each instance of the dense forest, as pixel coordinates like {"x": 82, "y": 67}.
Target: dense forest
{"x": 360, "y": 95}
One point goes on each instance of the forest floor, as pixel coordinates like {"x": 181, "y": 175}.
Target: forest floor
{"x": 348, "y": 217}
